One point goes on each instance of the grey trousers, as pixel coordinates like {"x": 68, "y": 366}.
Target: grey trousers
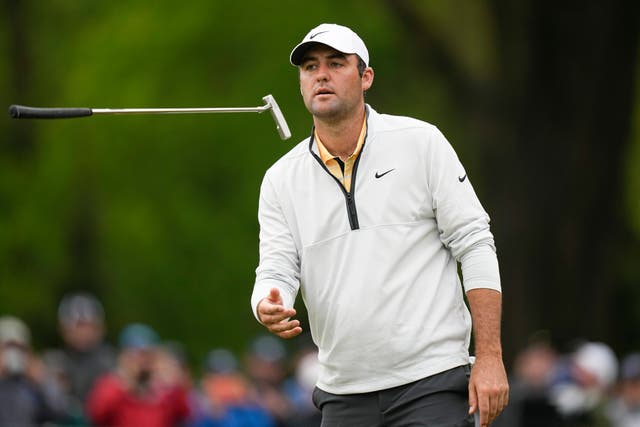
{"x": 441, "y": 400}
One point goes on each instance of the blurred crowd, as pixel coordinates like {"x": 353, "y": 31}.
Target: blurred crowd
{"x": 147, "y": 382}
{"x": 586, "y": 386}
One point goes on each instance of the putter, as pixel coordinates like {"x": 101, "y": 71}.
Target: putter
{"x": 476, "y": 415}
{"x": 24, "y": 112}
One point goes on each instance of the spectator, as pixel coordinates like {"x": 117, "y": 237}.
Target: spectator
{"x": 529, "y": 399}
{"x": 22, "y": 398}
{"x": 582, "y": 385}
{"x": 226, "y": 398}
{"x": 299, "y": 388}
{"x": 147, "y": 388}
{"x": 624, "y": 410}
{"x": 172, "y": 361}
{"x": 266, "y": 367}
{"x": 84, "y": 356}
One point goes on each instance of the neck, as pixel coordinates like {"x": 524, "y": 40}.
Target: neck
{"x": 340, "y": 137}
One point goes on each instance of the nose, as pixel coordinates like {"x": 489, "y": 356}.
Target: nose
{"x": 322, "y": 73}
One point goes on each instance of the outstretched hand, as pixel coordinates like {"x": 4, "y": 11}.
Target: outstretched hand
{"x": 276, "y": 318}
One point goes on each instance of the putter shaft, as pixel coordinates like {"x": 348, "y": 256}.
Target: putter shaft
{"x": 179, "y": 110}
{"x": 24, "y": 112}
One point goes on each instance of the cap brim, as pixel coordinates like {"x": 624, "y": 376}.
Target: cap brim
{"x": 297, "y": 54}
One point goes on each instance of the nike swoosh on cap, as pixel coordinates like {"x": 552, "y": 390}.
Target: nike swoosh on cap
{"x": 317, "y": 34}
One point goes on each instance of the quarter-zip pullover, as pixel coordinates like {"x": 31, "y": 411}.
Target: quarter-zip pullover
{"x": 391, "y": 245}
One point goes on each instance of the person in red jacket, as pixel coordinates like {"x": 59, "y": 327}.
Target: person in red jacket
{"x": 147, "y": 389}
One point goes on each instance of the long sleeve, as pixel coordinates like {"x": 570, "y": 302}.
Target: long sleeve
{"x": 462, "y": 221}
{"x": 279, "y": 261}
{"x": 480, "y": 268}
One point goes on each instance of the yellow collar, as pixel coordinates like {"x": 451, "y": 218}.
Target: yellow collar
{"x": 325, "y": 155}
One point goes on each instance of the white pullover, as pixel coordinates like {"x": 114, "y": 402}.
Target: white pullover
{"x": 377, "y": 266}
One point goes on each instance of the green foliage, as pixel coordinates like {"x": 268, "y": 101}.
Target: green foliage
{"x": 157, "y": 214}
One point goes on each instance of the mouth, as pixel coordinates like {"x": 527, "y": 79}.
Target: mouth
{"x": 323, "y": 91}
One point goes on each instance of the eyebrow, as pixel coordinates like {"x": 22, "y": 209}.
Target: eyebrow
{"x": 333, "y": 55}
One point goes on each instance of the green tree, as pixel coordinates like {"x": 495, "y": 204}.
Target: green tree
{"x": 157, "y": 214}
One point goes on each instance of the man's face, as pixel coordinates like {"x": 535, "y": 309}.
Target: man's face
{"x": 13, "y": 358}
{"x": 331, "y": 86}
{"x": 82, "y": 335}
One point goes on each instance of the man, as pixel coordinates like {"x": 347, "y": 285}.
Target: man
{"x": 87, "y": 356}
{"x": 367, "y": 217}
{"x": 83, "y": 357}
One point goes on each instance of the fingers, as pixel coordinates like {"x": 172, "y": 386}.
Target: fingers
{"x": 502, "y": 402}
{"x": 488, "y": 395}
{"x": 478, "y": 404}
{"x": 473, "y": 399}
{"x": 273, "y": 313}
{"x": 285, "y": 328}
{"x": 489, "y": 409}
{"x": 276, "y": 318}
{"x": 290, "y": 330}
{"x": 481, "y": 405}
{"x": 486, "y": 414}
{"x": 271, "y": 309}
{"x": 495, "y": 399}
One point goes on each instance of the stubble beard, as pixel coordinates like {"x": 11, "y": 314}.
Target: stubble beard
{"x": 331, "y": 112}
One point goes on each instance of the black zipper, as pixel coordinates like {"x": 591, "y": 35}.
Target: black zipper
{"x": 352, "y": 212}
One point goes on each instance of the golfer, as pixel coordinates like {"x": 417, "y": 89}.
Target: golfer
{"x": 368, "y": 218}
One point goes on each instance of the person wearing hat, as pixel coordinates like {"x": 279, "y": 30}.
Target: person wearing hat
{"x": 624, "y": 408}
{"x": 23, "y": 399}
{"x": 582, "y": 382}
{"x": 368, "y": 218}
{"x": 84, "y": 355}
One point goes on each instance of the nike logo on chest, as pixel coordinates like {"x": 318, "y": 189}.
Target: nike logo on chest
{"x": 380, "y": 175}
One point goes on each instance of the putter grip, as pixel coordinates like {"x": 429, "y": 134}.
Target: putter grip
{"x": 23, "y": 112}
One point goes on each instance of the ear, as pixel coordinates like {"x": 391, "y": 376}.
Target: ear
{"x": 367, "y": 79}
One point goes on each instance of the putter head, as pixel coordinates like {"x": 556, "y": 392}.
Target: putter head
{"x": 281, "y": 123}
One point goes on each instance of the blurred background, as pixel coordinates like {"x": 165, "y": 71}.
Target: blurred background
{"x": 156, "y": 215}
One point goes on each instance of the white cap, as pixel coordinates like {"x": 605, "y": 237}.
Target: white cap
{"x": 14, "y": 330}
{"x": 598, "y": 359}
{"x": 340, "y": 38}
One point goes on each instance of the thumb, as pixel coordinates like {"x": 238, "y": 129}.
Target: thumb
{"x": 274, "y": 296}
